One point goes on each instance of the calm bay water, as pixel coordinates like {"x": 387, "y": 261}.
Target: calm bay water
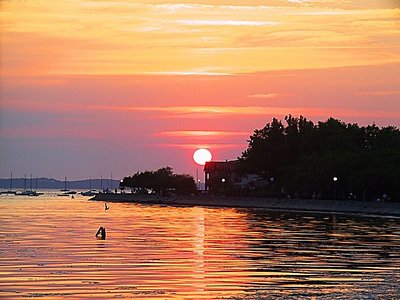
{"x": 48, "y": 250}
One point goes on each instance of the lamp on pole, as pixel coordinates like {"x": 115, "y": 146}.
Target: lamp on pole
{"x": 335, "y": 179}
{"x": 121, "y": 185}
{"x": 272, "y": 184}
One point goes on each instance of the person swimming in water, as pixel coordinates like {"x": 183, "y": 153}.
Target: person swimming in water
{"x": 101, "y": 233}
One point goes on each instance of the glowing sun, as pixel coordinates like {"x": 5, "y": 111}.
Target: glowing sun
{"x": 201, "y": 156}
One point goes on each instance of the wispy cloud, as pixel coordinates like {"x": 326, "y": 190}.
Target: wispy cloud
{"x": 182, "y": 110}
{"x": 190, "y": 73}
{"x": 329, "y": 13}
{"x": 176, "y": 7}
{"x": 265, "y": 95}
{"x": 194, "y": 22}
{"x": 99, "y": 37}
{"x": 191, "y": 146}
{"x": 203, "y": 133}
{"x": 299, "y": 1}
{"x": 227, "y": 111}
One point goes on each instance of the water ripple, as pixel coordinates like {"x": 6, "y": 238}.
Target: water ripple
{"x": 48, "y": 250}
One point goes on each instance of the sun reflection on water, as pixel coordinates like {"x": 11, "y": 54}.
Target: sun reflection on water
{"x": 48, "y": 250}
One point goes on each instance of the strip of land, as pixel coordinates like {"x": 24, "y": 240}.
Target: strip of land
{"x": 309, "y": 205}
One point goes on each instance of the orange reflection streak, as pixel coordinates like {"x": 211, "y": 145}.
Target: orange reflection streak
{"x": 149, "y": 250}
{"x": 192, "y": 251}
{"x": 165, "y": 252}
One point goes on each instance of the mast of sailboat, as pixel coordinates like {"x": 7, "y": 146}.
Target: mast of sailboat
{"x": 31, "y": 182}
{"x": 25, "y": 183}
{"x": 65, "y": 185}
{"x": 11, "y": 179}
{"x": 101, "y": 182}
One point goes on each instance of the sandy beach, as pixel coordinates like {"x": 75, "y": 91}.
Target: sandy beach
{"x": 308, "y": 205}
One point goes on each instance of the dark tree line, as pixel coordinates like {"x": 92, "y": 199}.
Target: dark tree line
{"x": 160, "y": 182}
{"x": 303, "y": 158}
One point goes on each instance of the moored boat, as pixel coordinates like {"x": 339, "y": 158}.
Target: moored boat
{"x": 88, "y": 193}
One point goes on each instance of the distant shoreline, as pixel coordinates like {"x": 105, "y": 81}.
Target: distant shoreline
{"x": 304, "y": 205}
{"x": 41, "y": 183}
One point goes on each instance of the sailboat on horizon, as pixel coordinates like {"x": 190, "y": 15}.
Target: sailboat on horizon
{"x": 67, "y": 192}
{"x": 30, "y": 192}
{"x": 10, "y": 191}
{"x": 90, "y": 192}
{"x": 65, "y": 186}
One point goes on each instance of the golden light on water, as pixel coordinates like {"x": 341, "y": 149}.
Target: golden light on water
{"x": 48, "y": 250}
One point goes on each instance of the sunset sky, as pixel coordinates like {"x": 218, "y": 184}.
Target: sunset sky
{"x": 90, "y": 88}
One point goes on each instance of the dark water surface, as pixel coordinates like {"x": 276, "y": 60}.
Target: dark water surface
{"x": 48, "y": 250}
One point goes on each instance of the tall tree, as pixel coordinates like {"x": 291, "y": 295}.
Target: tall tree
{"x": 160, "y": 182}
{"x": 304, "y": 158}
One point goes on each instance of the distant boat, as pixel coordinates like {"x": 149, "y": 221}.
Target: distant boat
{"x": 34, "y": 194}
{"x": 67, "y": 192}
{"x": 90, "y": 192}
{"x": 28, "y": 193}
{"x": 10, "y": 191}
{"x": 63, "y": 195}
{"x": 31, "y": 192}
{"x": 65, "y": 186}
{"x": 70, "y": 193}
{"x": 23, "y": 193}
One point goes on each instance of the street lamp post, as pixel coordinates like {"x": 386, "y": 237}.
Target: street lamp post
{"x": 121, "y": 187}
{"x": 335, "y": 179}
{"x": 272, "y": 184}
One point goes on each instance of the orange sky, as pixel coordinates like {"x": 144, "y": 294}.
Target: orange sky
{"x": 94, "y": 87}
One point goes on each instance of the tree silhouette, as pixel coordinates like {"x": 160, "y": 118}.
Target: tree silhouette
{"x": 303, "y": 158}
{"x": 160, "y": 182}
